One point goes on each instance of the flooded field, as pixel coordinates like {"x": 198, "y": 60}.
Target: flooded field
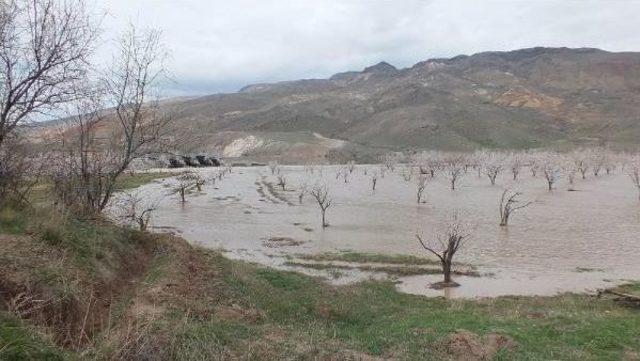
{"x": 577, "y": 240}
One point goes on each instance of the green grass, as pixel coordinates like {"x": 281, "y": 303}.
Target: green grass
{"x": 360, "y": 257}
{"x": 135, "y": 180}
{"x": 375, "y": 318}
{"x": 19, "y": 341}
{"x": 12, "y": 222}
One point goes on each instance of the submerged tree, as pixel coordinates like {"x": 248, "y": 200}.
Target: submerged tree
{"x": 302, "y": 190}
{"x": 185, "y": 182}
{"x": 509, "y": 203}
{"x": 422, "y": 185}
{"x": 633, "y": 169}
{"x": 516, "y": 162}
{"x": 447, "y": 243}
{"x": 282, "y": 181}
{"x": 455, "y": 165}
{"x": 551, "y": 166}
{"x": 374, "y": 180}
{"x": 321, "y": 194}
{"x": 492, "y": 165}
{"x": 273, "y": 166}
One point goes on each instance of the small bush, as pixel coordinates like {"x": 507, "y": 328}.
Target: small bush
{"x": 52, "y": 236}
{"x": 12, "y": 222}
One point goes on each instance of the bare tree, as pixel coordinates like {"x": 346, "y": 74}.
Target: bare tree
{"x": 351, "y": 165}
{"x": 609, "y": 163}
{"x": 407, "y": 173}
{"x": 516, "y": 162}
{"x": 302, "y": 190}
{"x": 570, "y": 169}
{"x": 321, "y": 195}
{"x": 135, "y": 211}
{"x": 598, "y": 156}
{"x": 492, "y": 165}
{"x": 509, "y": 203}
{"x": 199, "y": 181}
{"x": 374, "y": 180}
{"x": 551, "y": 167}
{"x": 633, "y": 169}
{"x": 428, "y": 162}
{"x": 273, "y": 166}
{"x": 455, "y": 165}
{"x": 44, "y": 48}
{"x": 422, "y": 185}
{"x": 581, "y": 160}
{"x": 390, "y": 160}
{"x": 447, "y": 243}
{"x": 185, "y": 182}
{"x": 282, "y": 181}
{"x": 19, "y": 172}
{"x": 136, "y": 125}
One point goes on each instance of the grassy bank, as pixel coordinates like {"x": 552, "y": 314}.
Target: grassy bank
{"x": 72, "y": 289}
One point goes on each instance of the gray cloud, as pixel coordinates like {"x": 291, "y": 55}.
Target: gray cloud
{"x": 222, "y": 45}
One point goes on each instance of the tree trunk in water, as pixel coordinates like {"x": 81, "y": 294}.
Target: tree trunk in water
{"x": 324, "y": 224}
{"x": 446, "y": 270}
{"x": 505, "y": 220}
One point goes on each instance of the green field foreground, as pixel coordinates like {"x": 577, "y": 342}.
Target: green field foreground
{"x": 88, "y": 289}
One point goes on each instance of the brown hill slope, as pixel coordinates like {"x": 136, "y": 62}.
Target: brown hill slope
{"x": 526, "y": 98}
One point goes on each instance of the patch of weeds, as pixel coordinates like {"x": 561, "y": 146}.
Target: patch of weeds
{"x": 368, "y": 258}
{"x": 587, "y": 269}
{"x": 12, "y": 222}
{"x": 284, "y": 280}
{"x": 21, "y": 342}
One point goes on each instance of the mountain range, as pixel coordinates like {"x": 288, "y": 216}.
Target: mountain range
{"x": 522, "y": 99}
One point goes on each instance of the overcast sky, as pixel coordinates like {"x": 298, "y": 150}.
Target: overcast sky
{"x": 220, "y": 46}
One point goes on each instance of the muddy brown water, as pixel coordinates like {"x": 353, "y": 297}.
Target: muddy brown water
{"x": 566, "y": 241}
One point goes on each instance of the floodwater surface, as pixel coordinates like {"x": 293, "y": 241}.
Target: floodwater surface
{"x": 566, "y": 241}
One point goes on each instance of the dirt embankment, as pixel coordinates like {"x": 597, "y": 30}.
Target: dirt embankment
{"x": 52, "y": 287}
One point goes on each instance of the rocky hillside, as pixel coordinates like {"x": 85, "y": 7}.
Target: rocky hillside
{"x": 527, "y": 98}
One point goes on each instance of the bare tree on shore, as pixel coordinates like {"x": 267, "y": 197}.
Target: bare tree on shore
{"x": 135, "y": 210}
{"x": 509, "y": 203}
{"x": 321, "y": 194}
{"x": 45, "y": 46}
{"x": 136, "y": 126}
{"x": 446, "y": 244}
